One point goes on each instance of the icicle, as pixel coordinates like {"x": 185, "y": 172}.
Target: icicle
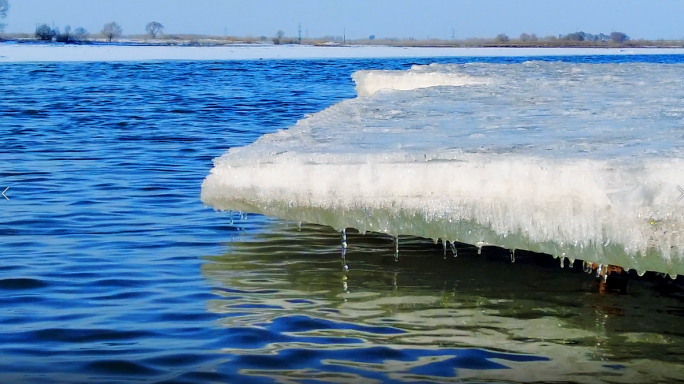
{"x": 512, "y": 255}
{"x": 605, "y": 277}
{"x": 453, "y": 249}
{"x": 345, "y": 266}
{"x": 562, "y": 261}
{"x": 479, "y": 246}
{"x": 598, "y": 270}
{"x": 299, "y": 226}
{"x": 396, "y": 248}
{"x": 344, "y": 239}
{"x": 436, "y": 240}
{"x": 444, "y": 247}
{"x": 572, "y": 263}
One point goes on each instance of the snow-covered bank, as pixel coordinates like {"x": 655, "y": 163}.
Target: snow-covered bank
{"x": 59, "y": 53}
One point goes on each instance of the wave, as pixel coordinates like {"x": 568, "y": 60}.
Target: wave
{"x": 565, "y": 159}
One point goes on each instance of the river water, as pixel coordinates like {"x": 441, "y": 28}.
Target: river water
{"x": 113, "y": 270}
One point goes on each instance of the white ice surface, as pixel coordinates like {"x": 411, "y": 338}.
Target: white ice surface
{"x": 575, "y": 160}
{"x": 11, "y": 52}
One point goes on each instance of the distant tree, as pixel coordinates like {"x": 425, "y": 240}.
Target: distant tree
{"x": 44, "y": 32}
{"x": 63, "y": 37}
{"x": 79, "y": 34}
{"x": 4, "y": 7}
{"x": 112, "y": 30}
{"x": 279, "y": 37}
{"x": 575, "y": 36}
{"x": 154, "y": 28}
{"x": 524, "y": 37}
{"x": 502, "y": 38}
{"x": 534, "y": 37}
{"x": 618, "y": 37}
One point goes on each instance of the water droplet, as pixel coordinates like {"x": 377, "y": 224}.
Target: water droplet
{"x": 512, "y": 255}
{"x": 479, "y": 250}
{"x": 562, "y": 261}
{"x": 672, "y": 276}
{"x": 605, "y": 277}
{"x": 640, "y": 274}
{"x": 346, "y": 267}
{"x": 572, "y": 263}
{"x": 598, "y": 270}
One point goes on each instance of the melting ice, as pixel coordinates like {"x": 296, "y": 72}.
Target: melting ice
{"x": 576, "y": 159}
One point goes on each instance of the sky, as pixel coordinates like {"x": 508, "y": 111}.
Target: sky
{"x": 420, "y": 19}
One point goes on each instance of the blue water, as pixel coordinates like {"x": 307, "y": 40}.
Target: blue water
{"x": 112, "y": 270}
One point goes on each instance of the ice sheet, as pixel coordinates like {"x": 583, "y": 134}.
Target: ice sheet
{"x": 11, "y": 52}
{"x": 576, "y": 160}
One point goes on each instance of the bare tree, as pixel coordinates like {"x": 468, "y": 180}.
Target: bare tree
{"x": 618, "y": 37}
{"x": 80, "y": 34}
{"x": 154, "y": 28}
{"x": 524, "y": 37}
{"x": 44, "y": 32}
{"x": 63, "y": 37}
{"x": 502, "y": 38}
{"x": 112, "y": 30}
{"x": 4, "y": 6}
{"x": 279, "y": 37}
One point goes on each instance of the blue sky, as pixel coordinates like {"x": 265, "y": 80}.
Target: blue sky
{"x": 384, "y": 18}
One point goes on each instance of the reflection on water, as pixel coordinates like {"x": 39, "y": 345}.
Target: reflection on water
{"x": 294, "y": 312}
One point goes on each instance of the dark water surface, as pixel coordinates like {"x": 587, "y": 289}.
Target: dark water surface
{"x": 111, "y": 269}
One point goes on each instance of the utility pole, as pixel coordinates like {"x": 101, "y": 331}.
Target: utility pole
{"x": 344, "y": 35}
{"x": 453, "y": 34}
{"x": 299, "y": 30}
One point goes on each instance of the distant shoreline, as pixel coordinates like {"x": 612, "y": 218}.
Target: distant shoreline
{"x": 233, "y": 41}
